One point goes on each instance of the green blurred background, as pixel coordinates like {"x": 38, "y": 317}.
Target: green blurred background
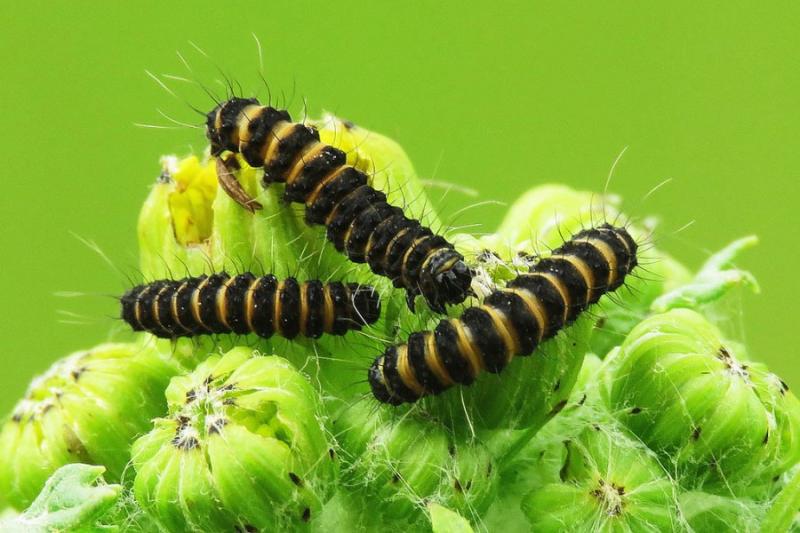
{"x": 498, "y": 96}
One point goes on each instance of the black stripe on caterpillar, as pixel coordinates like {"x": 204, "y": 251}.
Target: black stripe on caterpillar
{"x": 512, "y": 321}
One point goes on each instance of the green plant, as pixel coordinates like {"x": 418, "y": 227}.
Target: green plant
{"x": 641, "y": 416}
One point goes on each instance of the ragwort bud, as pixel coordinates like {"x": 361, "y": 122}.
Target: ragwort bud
{"x": 403, "y": 463}
{"x": 86, "y": 408}
{"x": 728, "y": 424}
{"x": 609, "y": 482}
{"x": 243, "y": 446}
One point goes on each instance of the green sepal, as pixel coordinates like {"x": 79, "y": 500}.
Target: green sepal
{"x": 781, "y": 514}
{"x": 444, "y": 520}
{"x": 175, "y": 220}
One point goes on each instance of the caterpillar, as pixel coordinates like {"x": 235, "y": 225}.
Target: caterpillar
{"x": 511, "y": 321}
{"x": 242, "y": 304}
{"x": 359, "y": 221}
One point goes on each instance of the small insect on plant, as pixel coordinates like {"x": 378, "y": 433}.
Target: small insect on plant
{"x": 359, "y": 221}
{"x": 248, "y": 304}
{"x": 512, "y": 321}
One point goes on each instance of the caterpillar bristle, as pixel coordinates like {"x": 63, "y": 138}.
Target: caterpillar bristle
{"x": 242, "y": 304}
{"x": 359, "y": 221}
{"x": 512, "y": 321}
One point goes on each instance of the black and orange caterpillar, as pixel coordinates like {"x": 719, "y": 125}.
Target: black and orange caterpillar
{"x": 359, "y": 221}
{"x": 512, "y": 321}
{"x": 248, "y": 304}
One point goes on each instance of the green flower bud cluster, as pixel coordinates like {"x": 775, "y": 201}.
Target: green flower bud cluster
{"x": 669, "y": 433}
{"x": 667, "y": 427}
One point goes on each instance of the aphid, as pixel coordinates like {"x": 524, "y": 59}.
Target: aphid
{"x": 248, "y": 304}
{"x": 512, "y": 321}
{"x": 359, "y": 221}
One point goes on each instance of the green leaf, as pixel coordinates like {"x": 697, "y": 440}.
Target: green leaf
{"x": 714, "y": 280}
{"x": 73, "y": 499}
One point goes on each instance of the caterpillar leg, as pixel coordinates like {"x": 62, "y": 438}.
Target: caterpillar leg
{"x": 230, "y": 184}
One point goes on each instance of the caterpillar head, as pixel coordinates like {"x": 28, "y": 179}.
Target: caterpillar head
{"x": 377, "y": 382}
{"x": 222, "y": 124}
{"x": 445, "y": 279}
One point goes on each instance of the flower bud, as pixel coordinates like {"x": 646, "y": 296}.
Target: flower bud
{"x": 545, "y": 215}
{"x": 540, "y": 459}
{"x": 402, "y": 463}
{"x": 187, "y": 229}
{"x": 729, "y": 425}
{"x": 243, "y": 446}
{"x": 385, "y": 161}
{"x": 609, "y": 482}
{"x": 176, "y": 219}
{"x": 87, "y": 408}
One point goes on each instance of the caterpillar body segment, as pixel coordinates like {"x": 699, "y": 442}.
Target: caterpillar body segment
{"x": 512, "y": 321}
{"x": 359, "y": 221}
{"x": 248, "y": 304}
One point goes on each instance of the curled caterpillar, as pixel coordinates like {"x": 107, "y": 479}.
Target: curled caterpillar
{"x": 248, "y": 304}
{"x": 512, "y": 321}
{"x": 359, "y": 221}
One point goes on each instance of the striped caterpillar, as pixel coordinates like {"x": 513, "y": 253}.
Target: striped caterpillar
{"x": 248, "y": 304}
{"x": 512, "y": 321}
{"x": 359, "y": 221}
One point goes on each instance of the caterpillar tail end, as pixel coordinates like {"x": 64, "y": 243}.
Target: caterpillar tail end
{"x": 366, "y": 303}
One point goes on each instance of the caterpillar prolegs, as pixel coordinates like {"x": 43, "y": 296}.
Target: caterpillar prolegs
{"x": 248, "y": 304}
{"x": 359, "y": 221}
{"x": 512, "y": 321}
